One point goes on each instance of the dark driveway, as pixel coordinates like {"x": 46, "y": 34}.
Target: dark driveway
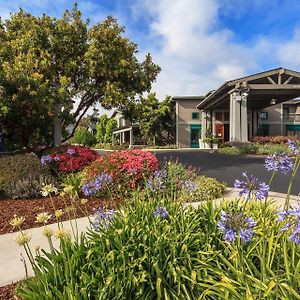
{"x": 228, "y": 168}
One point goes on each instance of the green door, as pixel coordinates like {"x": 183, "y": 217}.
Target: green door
{"x": 195, "y": 135}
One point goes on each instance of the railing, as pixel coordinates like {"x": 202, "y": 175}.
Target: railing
{"x": 291, "y": 117}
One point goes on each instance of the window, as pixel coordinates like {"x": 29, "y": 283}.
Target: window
{"x": 286, "y": 111}
{"x": 219, "y": 116}
{"x": 263, "y": 115}
{"x": 195, "y": 115}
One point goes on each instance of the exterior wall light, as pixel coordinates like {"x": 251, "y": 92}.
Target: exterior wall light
{"x": 273, "y": 101}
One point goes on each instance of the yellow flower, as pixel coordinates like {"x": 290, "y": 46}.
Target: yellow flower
{"x": 43, "y": 218}
{"x": 23, "y": 238}
{"x": 48, "y": 189}
{"x": 16, "y": 222}
{"x": 59, "y": 213}
{"x": 68, "y": 189}
{"x": 62, "y": 233}
{"x": 48, "y": 232}
{"x": 84, "y": 201}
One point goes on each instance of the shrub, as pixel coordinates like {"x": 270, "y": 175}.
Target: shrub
{"x": 29, "y": 187}
{"x": 18, "y": 167}
{"x": 112, "y": 147}
{"x": 269, "y": 149}
{"x": 83, "y": 137}
{"x": 232, "y": 150}
{"x": 207, "y": 188}
{"x": 66, "y": 159}
{"x": 273, "y": 139}
{"x": 127, "y": 168}
{"x": 248, "y": 148}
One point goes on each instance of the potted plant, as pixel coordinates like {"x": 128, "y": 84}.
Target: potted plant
{"x": 208, "y": 138}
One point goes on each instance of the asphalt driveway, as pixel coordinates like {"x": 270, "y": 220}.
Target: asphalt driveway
{"x": 227, "y": 168}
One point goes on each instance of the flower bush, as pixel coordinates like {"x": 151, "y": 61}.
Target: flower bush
{"x": 127, "y": 168}
{"x": 69, "y": 159}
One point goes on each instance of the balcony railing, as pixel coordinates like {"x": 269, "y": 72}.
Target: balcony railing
{"x": 291, "y": 117}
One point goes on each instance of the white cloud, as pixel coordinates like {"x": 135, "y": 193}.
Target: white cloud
{"x": 195, "y": 52}
{"x": 288, "y": 53}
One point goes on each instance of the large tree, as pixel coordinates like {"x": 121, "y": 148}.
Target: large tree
{"x": 153, "y": 116}
{"x": 46, "y": 64}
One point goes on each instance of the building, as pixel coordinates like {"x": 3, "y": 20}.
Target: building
{"x": 260, "y": 104}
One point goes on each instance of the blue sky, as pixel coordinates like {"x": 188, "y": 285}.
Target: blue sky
{"x": 199, "y": 44}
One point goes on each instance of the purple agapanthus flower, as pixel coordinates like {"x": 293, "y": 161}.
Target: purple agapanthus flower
{"x": 71, "y": 151}
{"x": 158, "y": 182}
{"x": 94, "y": 186}
{"x": 279, "y": 163}
{"x": 291, "y": 223}
{"x": 252, "y": 187}
{"x": 294, "y": 146}
{"x": 161, "y": 212}
{"x": 46, "y": 159}
{"x": 234, "y": 224}
{"x": 103, "y": 218}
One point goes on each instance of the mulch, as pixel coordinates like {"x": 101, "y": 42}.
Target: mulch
{"x": 30, "y": 208}
{"x": 7, "y": 292}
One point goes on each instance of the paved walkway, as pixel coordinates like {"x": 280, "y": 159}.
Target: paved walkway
{"x": 12, "y": 268}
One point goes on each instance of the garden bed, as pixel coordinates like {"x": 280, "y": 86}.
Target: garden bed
{"x": 7, "y": 292}
{"x": 30, "y": 208}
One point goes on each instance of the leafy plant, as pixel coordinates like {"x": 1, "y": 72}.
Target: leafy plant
{"x": 231, "y": 150}
{"x": 66, "y": 159}
{"x": 128, "y": 168}
{"x": 207, "y": 188}
{"x": 83, "y": 137}
{"x": 248, "y": 148}
{"x": 20, "y": 167}
{"x": 29, "y": 187}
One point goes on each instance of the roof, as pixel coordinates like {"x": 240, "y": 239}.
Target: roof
{"x": 262, "y": 79}
{"x": 176, "y": 98}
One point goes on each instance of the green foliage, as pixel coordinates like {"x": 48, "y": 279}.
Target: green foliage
{"x": 153, "y": 116}
{"x": 104, "y": 129}
{"x": 83, "y": 136}
{"x": 207, "y": 189}
{"x": 111, "y": 147}
{"x": 19, "y": 168}
{"x": 273, "y": 149}
{"x": 248, "y": 148}
{"x": 183, "y": 256}
{"x": 29, "y": 187}
{"x": 74, "y": 180}
{"x": 47, "y": 62}
{"x": 231, "y": 150}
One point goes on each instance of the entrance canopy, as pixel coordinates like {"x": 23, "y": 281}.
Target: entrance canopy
{"x": 261, "y": 90}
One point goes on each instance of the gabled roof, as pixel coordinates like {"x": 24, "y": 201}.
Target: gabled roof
{"x": 268, "y": 77}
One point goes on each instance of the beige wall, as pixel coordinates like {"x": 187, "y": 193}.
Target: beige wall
{"x": 274, "y": 113}
{"x": 185, "y": 110}
{"x": 119, "y": 116}
{"x": 184, "y": 136}
{"x": 275, "y": 129}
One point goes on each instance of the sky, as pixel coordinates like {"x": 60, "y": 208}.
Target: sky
{"x": 198, "y": 44}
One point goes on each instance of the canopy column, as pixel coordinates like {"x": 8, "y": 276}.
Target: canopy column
{"x": 238, "y": 117}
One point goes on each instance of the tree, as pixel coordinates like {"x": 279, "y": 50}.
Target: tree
{"x": 104, "y": 128}
{"x": 46, "y": 63}
{"x": 154, "y": 117}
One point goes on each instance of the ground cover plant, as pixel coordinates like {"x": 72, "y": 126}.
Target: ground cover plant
{"x": 158, "y": 248}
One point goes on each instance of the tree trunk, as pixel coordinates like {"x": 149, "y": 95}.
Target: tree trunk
{"x": 57, "y": 126}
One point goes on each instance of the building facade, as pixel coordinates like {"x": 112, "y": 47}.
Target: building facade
{"x": 259, "y": 104}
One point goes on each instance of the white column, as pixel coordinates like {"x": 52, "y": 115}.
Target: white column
{"x": 238, "y": 117}
{"x": 203, "y": 123}
{"x": 130, "y": 137}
